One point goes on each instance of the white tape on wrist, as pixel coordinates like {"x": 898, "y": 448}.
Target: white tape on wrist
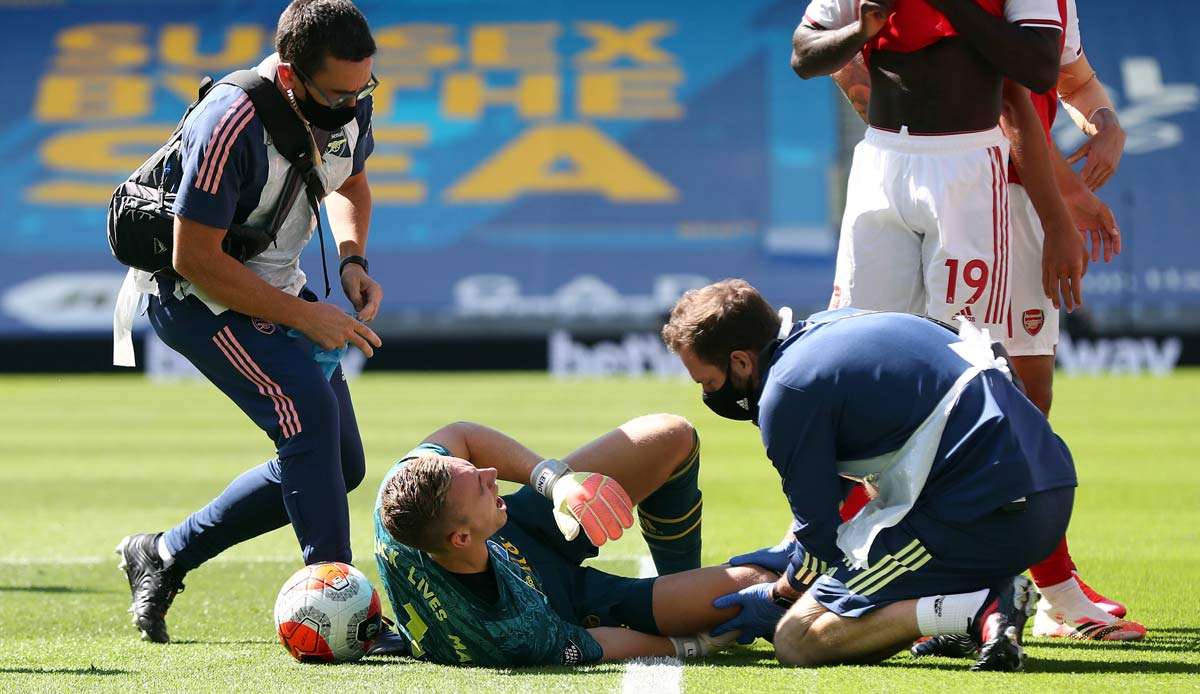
{"x": 545, "y": 474}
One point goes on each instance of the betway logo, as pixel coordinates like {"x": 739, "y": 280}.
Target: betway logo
{"x": 636, "y": 354}
{"x": 1120, "y": 355}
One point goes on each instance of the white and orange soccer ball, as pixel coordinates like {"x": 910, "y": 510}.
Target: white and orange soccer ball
{"x": 327, "y": 613}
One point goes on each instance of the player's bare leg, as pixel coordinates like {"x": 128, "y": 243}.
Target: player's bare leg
{"x": 810, "y": 635}
{"x": 656, "y": 458}
{"x": 1069, "y": 607}
{"x": 1037, "y": 373}
{"x": 683, "y": 612}
{"x": 640, "y": 454}
{"x": 683, "y": 601}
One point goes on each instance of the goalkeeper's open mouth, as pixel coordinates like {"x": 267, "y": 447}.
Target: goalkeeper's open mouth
{"x": 500, "y": 503}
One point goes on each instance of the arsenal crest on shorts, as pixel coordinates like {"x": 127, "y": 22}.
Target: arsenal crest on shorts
{"x": 263, "y": 326}
{"x": 1033, "y": 320}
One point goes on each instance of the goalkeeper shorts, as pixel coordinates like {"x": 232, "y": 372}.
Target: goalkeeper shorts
{"x": 579, "y": 594}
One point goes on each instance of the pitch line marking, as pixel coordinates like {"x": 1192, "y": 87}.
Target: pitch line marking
{"x": 652, "y": 675}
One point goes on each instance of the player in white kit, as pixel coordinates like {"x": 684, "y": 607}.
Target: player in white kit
{"x": 1031, "y": 336}
{"x": 927, "y": 227}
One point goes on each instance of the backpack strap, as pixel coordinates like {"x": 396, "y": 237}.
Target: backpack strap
{"x": 292, "y": 139}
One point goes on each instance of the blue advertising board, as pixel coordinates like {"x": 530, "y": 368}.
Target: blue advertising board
{"x": 541, "y": 163}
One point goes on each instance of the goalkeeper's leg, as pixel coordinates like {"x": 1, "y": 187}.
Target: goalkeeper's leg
{"x": 656, "y": 458}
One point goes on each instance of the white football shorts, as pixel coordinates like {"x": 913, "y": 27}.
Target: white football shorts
{"x": 926, "y": 227}
{"x": 1033, "y": 327}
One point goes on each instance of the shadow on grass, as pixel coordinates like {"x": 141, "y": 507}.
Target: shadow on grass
{"x": 52, "y": 589}
{"x": 1065, "y": 666}
{"x": 90, "y": 671}
{"x": 222, "y": 642}
{"x": 1183, "y": 643}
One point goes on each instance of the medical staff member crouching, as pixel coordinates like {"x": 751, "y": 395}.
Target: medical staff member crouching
{"x": 254, "y": 329}
{"x": 970, "y": 484}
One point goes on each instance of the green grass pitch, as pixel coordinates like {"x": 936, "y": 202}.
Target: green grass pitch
{"x": 85, "y": 460}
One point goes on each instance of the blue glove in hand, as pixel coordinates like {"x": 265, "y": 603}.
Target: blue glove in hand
{"x": 771, "y": 558}
{"x": 759, "y": 613}
{"x": 327, "y": 359}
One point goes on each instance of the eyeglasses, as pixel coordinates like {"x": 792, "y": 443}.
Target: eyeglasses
{"x": 344, "y": 99}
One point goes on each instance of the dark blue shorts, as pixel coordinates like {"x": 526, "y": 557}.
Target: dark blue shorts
{"x": 581, "y": 595}
{"x": 923, "y": 555}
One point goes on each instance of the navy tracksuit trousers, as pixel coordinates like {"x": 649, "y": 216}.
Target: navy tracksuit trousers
{"x": 273, "y": 378}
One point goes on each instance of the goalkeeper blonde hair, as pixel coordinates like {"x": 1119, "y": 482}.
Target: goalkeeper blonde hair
{"x": 413, "y": 502}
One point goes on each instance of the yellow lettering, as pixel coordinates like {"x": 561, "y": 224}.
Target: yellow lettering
{"x": 514, "y": 46}
{"x": 460, "y": 649}
{"x": 535, "y": 95}
{"x": 74, "y": 98}
{"x": 416, "y": 629}
{"x": 647, "y": 93}
{"x": 102, "y": 47}
{"x": 563, "y": 158}
{"x": 416, "y": 46}
{"x": 383, "y": 100}
{"x": 183, "y": 86}
{"x": 69, "y": 193}
{"x": 179, "y": 44}
{"x": 103, "y": 151}
{"x": 610, "y": 43}
{"x": 384, "y": 190}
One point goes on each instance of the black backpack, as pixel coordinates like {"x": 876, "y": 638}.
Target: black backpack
{"x": 141, "y": 224}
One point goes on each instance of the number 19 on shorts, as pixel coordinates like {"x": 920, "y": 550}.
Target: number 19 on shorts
{"x": 974, "y": 275}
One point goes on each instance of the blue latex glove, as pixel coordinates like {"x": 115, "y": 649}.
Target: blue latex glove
{"x": 759, "y": 613}
{"x": 774, "y": 558}
{"x": 327, "y": 359}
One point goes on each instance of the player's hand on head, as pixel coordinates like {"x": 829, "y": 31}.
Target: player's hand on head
{"x": 364, "y": 293}
{"x": 330, "y": 327}
{"x": 1094, "y": 219}
{"x": 1064, "y": 263}
{"x": 758, "y": 614}
{"x": 873, "y": 15}
{"x": 594, "y": 502}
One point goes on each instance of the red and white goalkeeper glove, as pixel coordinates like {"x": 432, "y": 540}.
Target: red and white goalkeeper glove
{"x": 588, "y": 499}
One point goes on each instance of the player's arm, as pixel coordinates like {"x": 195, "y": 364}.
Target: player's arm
{"x": 1064, "y": 257}
{"x": 593, "y": 502}
{"x": 1090, "y": 106}
{"x": 349, "y": 209}
{"x": 485, "y": 447}
{"x": 823, "y": 44}
{"x": 855, "y": 82}
{"x": 1028, "y": 55}
{"x": 1091, "y": 216}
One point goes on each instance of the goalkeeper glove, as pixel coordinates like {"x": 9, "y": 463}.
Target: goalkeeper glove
{"x": 588, "y": 499}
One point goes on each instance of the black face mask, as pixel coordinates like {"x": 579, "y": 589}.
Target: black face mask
{"x": 324, "y": 117}
{"x": 731, "y": 403}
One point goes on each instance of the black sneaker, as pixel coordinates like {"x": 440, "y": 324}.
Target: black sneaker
{"x": 998, "y": 626}
{"x": 152, "y": 587}
{"x": 947, "y": 646}
{"x": 390, "y": 641}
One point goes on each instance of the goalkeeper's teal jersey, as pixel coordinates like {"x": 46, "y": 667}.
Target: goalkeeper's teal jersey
{"x": 448, "y": 623}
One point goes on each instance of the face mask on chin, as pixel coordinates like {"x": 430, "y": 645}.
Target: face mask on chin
{"x": 324, "y": 117}
{"x": 730, "y": 402}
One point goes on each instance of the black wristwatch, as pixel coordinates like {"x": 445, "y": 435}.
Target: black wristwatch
{"x": 355, "y": 259}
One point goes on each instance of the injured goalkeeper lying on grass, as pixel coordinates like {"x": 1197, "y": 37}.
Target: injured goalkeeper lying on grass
{"x": 477, "y": 578}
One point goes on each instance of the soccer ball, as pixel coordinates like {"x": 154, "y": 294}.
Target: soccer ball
{"x": 327, "y": 613}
